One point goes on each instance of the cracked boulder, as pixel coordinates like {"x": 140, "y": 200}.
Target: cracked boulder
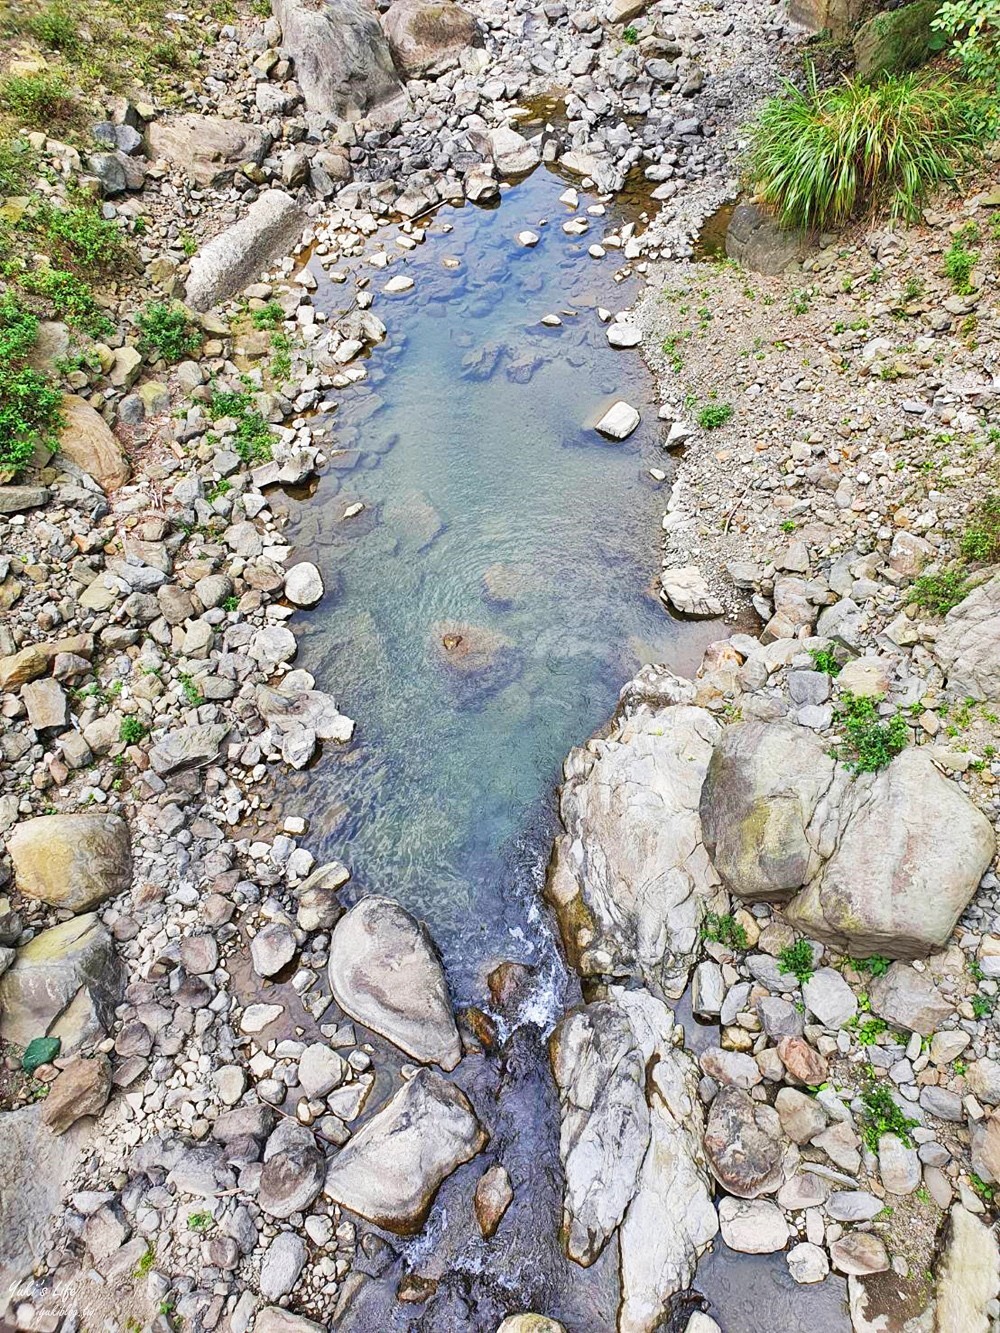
{"x": 426, "y": 39}
{"x": 968, "y": 644}
{"x": 630, "y": 875}
{"x": 343, "y": 63}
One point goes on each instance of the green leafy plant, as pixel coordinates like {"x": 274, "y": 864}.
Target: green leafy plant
{"x": 875, "y": 966}
{"x": 630, "y": 36}
{"x": 90, "y": 239}
{"x": 880, "y": 1115}
{"x": 268, "y": 316}
{"x": 71, "y": 299}
{"x": 30, "y": 404}
{"x": 822, "y": 155}
{"x": 56, "y": 27}
{"x": 200, "y": 1222}
{"x": 131, "y": 731}
{"x": 938, "y": 593}
{"x": 824, "y": 660}
{"x": 191, "y": 691}
{"x": 714, "y": 415}
{"x": 788, "y": 525}
{"x": 40, "y": 99}
{"x": 145, "y": 1265}
{"x": 973, "y": 28}
{"x": 253, "y": 434}
{"x": 986, "y": 1192}
{"x": 982, "y": 1006}
{"x": 981, "y": 538}
{"x": 231, "y": 603}
{"x": 869, "y": 743}
{"x": 166, "y": 333}
{"x": 959, "y": 261}
{"x": 723, "y": 928}
{"x": 797, "y": 959}
{"x": 869, "y": 1030}
{"x": 16, "y": 159}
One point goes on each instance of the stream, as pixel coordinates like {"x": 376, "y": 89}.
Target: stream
{"x": 483, "y": 610}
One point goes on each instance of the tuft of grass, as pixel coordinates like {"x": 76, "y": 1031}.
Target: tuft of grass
{"x": 56, "y": 28}
{"x": 869, "y": 743}
{"x": 253, "y": 434}
{"x": 71, "y": 299}
{"x": 938, "y": 593}
{"x": 166, "y": 333}
{"x": 43, "y": 100}
{"x": 92, "y": 241}
{"x": 981, "y": 538}
{"x": 15, "y": 163}
{"x": 723, "y": 928}
{"x": 268, "y": 316}
{"x": 797, "y": 959}
{"x": 30, "y": 403}
{"x": 823, "y": 155}
{"x": 630, "y": 35}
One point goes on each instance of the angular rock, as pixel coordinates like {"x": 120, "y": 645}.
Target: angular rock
{"x": 47, "y": 705}
{"x": 859, "y": 1252}
{"x": 343, "y": 63}
{"x": 272, "y": 948}
{"x": 426, "y": 39}
{"x": 968, "y": 644}
{"x": 967, "y": 1273}
{"x": 188, "y": 747}
{"x": 71, "y": 861}
{"x": 619, "y": 421}
{"x": 909, "y": 999}
{"x": 385, "y": 972}
{"x": 630, "y": 891}
{"x": 321, "y": 1069}
{"x": 802, "y": 1062}
{"x": 208, "y": 149}
{"x": 830, "y": 998}
{"x": 898, "y": 1165}
{"x": 493, "y": 1197}
{"x": 390, "y": 1171}
{"x": 82, "y": 1089}
{"x": 801, "y": 1116}
{"x": 282, "y": 1264}
{"x": 686, "y": 589}
{"x": 235, "y": 257}
{"x": 86, "y": 440}
{"x": 274, "y": 1319}
{"x": 744, "y": 1144}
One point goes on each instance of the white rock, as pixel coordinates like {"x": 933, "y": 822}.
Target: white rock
{"x": 687, "y": 591}
{"x": 807, "y": 1263}
{"x": 304, "y": 584}
{"x": 528, "y": 238}
{"x": 623, "y": 334}
{"x": 619, "y": 421}
{"x": 752, "y": 1226}
{"x": 400, "y": 283}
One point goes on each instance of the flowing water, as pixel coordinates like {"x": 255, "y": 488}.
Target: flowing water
{"x": 483, "y": 611}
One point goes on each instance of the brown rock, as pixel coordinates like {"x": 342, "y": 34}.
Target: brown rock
{"x": 87, "y": 441}
{"x": 508, "y": 983}
{"x": 493, "y": 1197}
{"x": 71, "y": 861}
{"x": 83, "y": 1088}
{"x": 35, "y": 659}
{"x": 859, "y": 1252}
{"x": 802, "y": 1062}
{"x": 744, "y": 1144}
{"x": 209, "y": 149}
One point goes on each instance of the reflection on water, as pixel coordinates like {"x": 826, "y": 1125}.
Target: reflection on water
{"x": 492, "y": 596}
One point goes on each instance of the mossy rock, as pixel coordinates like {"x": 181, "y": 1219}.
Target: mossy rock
{"x": 896, "y": 40}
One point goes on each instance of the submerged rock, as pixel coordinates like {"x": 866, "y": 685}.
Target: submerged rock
{"x": 390, "y": 1171}
{"x": 71, "y": 861}
{"x": 619, "y": 421}
{"x": 630, "y": 875}
{"x": 479, "y": 660}
{"x": 386, "y": 973}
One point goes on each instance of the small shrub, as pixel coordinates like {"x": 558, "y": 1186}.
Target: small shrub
{"x": 797, "y": 959}
{"x": 166, "y": 333}
{"x": 253, "y": 434}
{"x": 981, "y": 538}
{"x": 822, "y": 155}
{"x": 93, "y": 241}
{"x": 974, "y": 29}
{"x": 938, "y": 593}
{"x": 191, "y": 691}
{"x": 29, "y": 402}
{"x": 57, "y": 28}
{"x": 982, "y": 1006}
{"x": 200, "y": 1222}
{"x": 268, "y": 316}
{"x": 824, "y": 660}
{"x": 880, "y": 1115}
{"x": 875, "y": 966}
{"x": 71, "y": 298}
{"x": 714, "y": 415}
{"x": 869, "y": 742}
{"x": 40, "y": 99}
{"x": 15, "y": 162}
{"x": 724, "y": 929}
{"x": 131, "y": 731}
{"x": 630, "y": 36}
{"x": 958, "y": 265}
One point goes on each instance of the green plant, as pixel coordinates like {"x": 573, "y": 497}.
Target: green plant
{"x": 958, "y": 265}
{"x": 231, "y": 603}
{"x": 714, "y": 415}
{"x": 188, "y": 243}
{"x": 57, "y": 28}
{"x": 201, "y": 1222}
{"x": 166, "y": 333}
{"x": 724, "y": 929}
{"x": 869, "y": 1031}
{"x": 821, "y": 155}
{"x": 981, "y": 538}
{"x": 986, "y": 1192}
{"x": 788, "y": 525}
{"x": 253, "y": 434}
{"x": 875, "y": 966}
{"x": 40, "y": 99}
{"x": 90, "y": 239}
{"x": 15, "y": 160}
{"x": 191, "y": 691}
{"x": 268, "y": 316}
{"x": 797, "y": 959}
{"x": 869, "y": 743}
{"x": 824, "y": 660}
{"x": 131, "y": 731}
{"x": 145, "y": 1265}
{"x": 30, "y": 404}
{"x": 670, "y": 350}
{"x": 973, "y": 27}
{"x": 71, "y": 299}
{"x": 630, "y": 36}
{"x": 982, "y": 1006}
{"x": 880, "y": 1115}
{"x": 938, "y": 593}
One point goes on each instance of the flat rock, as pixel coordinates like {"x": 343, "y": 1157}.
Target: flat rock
{"x": 909, "y": 999}
{"x": 968, "y": 644}
{"x": 967, "y": 1273}
{"x": 426, "y": 39}
{"x": 208, "y": 149}
{"x": 830, "y": 998}
{"x": 744, "y": 1144}
{"x": 752, "y": 1226}
{"x": 71, "y": 861}
{"x": 274, "y": 1319}
{"x": 807, "y": 1263}
{"x": 82, "y": 1089}
{"x": 859, "y": 1252}
{"x": 188, "y": 747}
{"x": 291, "y": 1179}
{"x": 86, "y": 440}
{"x": 282, "y": 1264}
{"x": 686, "y": 589}
{"x": 619, "y": 421}
{"x": 272, "y": 948}
{"x": 385, "y": 972}
{"x": 390, "y": 1171}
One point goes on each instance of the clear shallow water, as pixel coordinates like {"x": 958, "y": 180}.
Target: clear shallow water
{"x": 495, "y": 512}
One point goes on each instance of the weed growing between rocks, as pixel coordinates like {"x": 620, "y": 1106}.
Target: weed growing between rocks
{"x": 41, "y": 99}
{"x": 939, "y": 592}
{"x": 880, "y": 1115}
{"x": 71, "y": 299}
{"x": 869, "y": 742}
{"x": 166, "y": 333}
{"x": 714, "y": 415}
{"x": 253, "y": 434}
{"x": 959, "y": 261}
{"x": 29, "y": 401}
{"x": 723, "y": 928}
{"x": 797, "y": 959}
{"x": 824, "y": 660}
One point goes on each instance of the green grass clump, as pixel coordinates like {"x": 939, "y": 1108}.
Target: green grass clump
{"x": 71, "y": 299}
{"x": 714, "y": 415}
{"x": 630, "y": 36}
{"x": 15, "y": 163}
{"x": 875, "y": 966}
{"x": 869, "y": 742}
{"x": 959, "y": 261}
{"x": 824, "y": 660}
{"x": 89, "y": 239}
{"x": 981, "y": 538}
{"x": 253, "y": 434}
{"x": 822, "y": 155}
{"x": 131, "y": 731}
{"x": 268, "y": 316}
{"x": 723, "y": 928}
{"x": 880, "y": 1115}
{"x": 938, "y": 593}
{"x": 56, "y": 28}
{"x": 797, "y": 959}
{"x": 42, "y": 100}
{"x": 29, "y": 403}
{"x": 166, "y": 333}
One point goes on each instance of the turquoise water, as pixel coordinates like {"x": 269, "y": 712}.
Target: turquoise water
{"x": 493, "y": 511}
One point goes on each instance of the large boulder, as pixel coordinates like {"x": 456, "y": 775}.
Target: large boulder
{"x": 208, "y": 149}
{"x": 745, "y": 1145}
{"x": 834, "y": 16}
{"x": 427, "y": 37}
{"x": 630, "y": 1144}
{"x": 755, "y": 239}
{"x": 895, "y": 40}
{"x": 906, "y": 865}
{"x": 968, "y": 644}
{"x": 71, "y": 861}
{"x": 386, "y": 973}
{"x": 761, "y": 793}
{"x": 86, "y": 440}
{"x": 967, "y": 1272}
{"x": 390, "y": 1171}
{"x": 343, "y": 63}
{"x": 630, "y": 875}
{"x": 65, "y": 982}
{"x": 268, "y": 230}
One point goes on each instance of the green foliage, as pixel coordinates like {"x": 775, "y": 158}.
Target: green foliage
{"x": 200, "y": 1222}
{"x": 15, "y": 162}
{"x": 40, "y": 1051}
{"x": 131, "y": 731}
{"x": 982, "y": 1006}
{"x": 91, "y": 240}
{"x": 268, "y": 316}
{"x": 714, "y": 415}
{"x": 145, "y": 1265}
{"x": 986, "y": 1192}
{"x": 281, "y": 360}
{"x": 880, "y": 1115}
{"x": 166, "y": 333}
{"x": 41, "y": 100}
{"x": 981, "y": 538}
{"x": 938, "y": 593}
{"x": 724, "y": 929}
{"x": 231, "y": 603}
{"x": 29, "y": 402}
{"x": 253, "y": 434}
{"x": 797, "y": 959}
{"x": 822, "y": 155}
{"x": 57, "y": 28}
{"x": 788, "y": 525}
{"x": 875, "y": 966}
{"x": 959, "y": 261}
{"x": 869, "y": 1031}
{"x": 869, "y": 743}
{"x": 973, "y": 27}
{"x": 71, "y": 298}
{"x": 630, "y": 36}
{"x": 824, "y": 660}
{"x": 191, "y": 691}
